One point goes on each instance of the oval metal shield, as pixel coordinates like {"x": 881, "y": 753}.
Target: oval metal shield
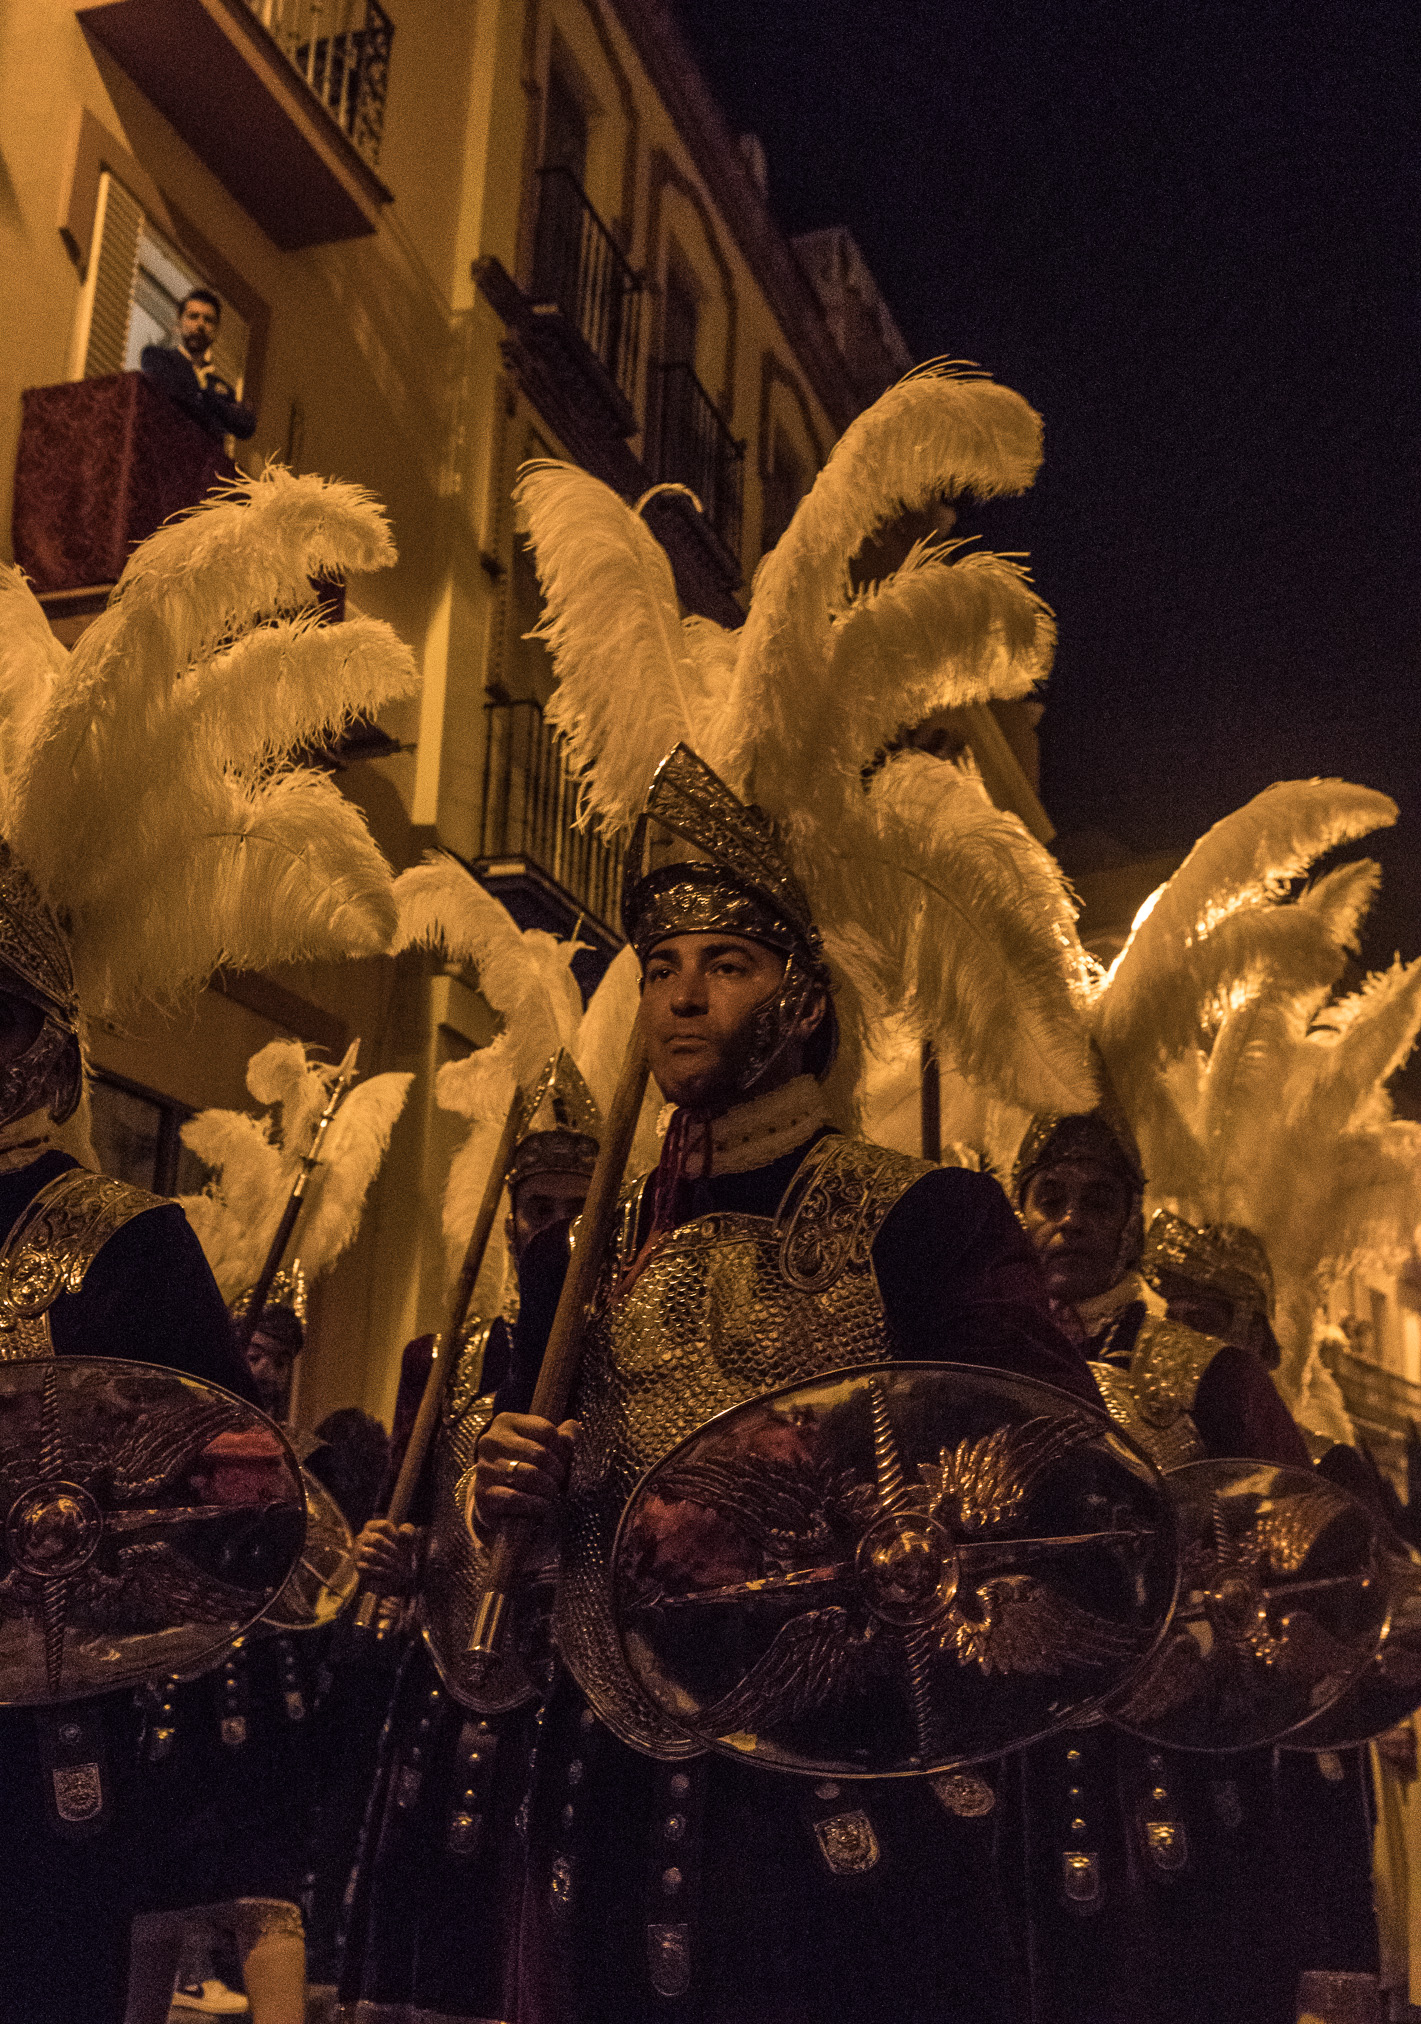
{"x": 893, "y": 1570}
{"x": 146, "y": 1519}
{"x": 1389, "y": 1688}
{"x": 324, "y": 1578}
{"x": 1282, "y": 1603}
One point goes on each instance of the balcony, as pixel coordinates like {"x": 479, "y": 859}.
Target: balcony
{"x": 547, "y": 872}
{"x": 291, "y": 105}
{"x": 101, "y": 463}
{"x": 692, "y": 445}
{"x": 578, "y": 323}
{"x": 341, "y": 49}
{"x": 582, "y": 285}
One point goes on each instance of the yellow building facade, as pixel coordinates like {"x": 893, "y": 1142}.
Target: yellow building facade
{"x": 448, "y": 236}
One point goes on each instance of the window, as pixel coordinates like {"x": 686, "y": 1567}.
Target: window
{"x": 136, "y": 280}
{"x": 135, "y": 1137}
{"x": 680, "y": 315}
{"x": 784, "y": 487}
{"x": 564, "y": 128}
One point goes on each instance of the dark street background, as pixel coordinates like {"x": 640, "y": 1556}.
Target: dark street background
{"x": 1188, "y": 234}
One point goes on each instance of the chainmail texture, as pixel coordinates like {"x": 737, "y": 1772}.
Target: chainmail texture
{"x": 728, "y": 1308}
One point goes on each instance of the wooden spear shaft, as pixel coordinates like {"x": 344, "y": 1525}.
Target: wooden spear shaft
{"x": 446, "y": 1345}
{"x": 564, "y": 1351}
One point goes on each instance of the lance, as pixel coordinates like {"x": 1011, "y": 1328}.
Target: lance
{"x": 256, "y": 1299}
{"x": 564, "y": 1351}
{"x": 521, "y": 1111}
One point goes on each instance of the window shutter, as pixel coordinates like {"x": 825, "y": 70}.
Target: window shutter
{"x": 116, "y": 234}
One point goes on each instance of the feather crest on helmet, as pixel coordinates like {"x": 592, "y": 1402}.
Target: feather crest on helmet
{"x": 793, "y": 709}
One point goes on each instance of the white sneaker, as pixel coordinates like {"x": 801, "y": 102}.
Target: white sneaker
{"x": 209, "y": 1999}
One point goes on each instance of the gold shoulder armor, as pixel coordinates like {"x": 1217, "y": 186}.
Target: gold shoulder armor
{"x": 49, "y": 1250}
{"x": 836, "y": 1205}
{"x": 1167, "y": 1366}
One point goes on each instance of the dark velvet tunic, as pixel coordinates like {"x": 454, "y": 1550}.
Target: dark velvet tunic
{"x": 66, "y": 1905}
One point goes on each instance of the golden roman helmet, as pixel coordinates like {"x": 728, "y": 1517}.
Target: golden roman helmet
{"x": 35, "y": 965}
{"x": 1225, "y": 1257}
{"x": 702, "y": 862}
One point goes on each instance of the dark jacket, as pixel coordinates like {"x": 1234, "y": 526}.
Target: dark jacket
{"x": 214, "y": 407}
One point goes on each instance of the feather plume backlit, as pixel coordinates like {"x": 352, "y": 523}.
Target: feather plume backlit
{"x": 526, "y": 977}
{"x": 1255, "y": 1095}
{"x": 255, "y": 1160}
{"x": 145, "y": 778}
{"x": 926, "y": 894}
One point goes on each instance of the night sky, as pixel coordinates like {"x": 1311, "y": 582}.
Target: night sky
{"x": 1188, "y": 234}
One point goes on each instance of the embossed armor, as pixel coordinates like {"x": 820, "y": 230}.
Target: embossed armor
{"x": 728, "y": 1307}
{"x": 1152, "y": 1400}
{"x": 455, "y": 1564}
{"x": 1283, "y": 1602}
{"x": 50, "y": 1249}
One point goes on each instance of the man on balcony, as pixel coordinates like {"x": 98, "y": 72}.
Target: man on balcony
{"x": 184, "y": 370}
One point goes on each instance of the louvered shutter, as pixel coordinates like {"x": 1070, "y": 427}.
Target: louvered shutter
{"x": 117, "y": 227}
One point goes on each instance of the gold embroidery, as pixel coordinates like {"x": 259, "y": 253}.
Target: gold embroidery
{"x": 50, "y": 1249}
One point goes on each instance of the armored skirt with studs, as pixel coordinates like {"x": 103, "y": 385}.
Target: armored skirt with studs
{"x": 1177, "y": 1887}
{"x": 133, "y": 1284}
{"x": 662, "y": 1884}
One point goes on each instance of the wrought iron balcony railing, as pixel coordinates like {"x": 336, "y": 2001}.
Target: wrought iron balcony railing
{"x": 530, "y": 811}
{"x": 693, "y": 445}
{"x": 580, "y": 270}
{"x": 342, "y": 50}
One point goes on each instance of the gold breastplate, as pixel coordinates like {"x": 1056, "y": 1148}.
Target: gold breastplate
{"x": 54, "y": 1241}
{"x": 728, "y": 1308}
{"x": 1153, "y": 1401}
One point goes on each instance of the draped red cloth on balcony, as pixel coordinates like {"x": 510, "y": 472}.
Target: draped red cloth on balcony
{"x": 101, "y": 463}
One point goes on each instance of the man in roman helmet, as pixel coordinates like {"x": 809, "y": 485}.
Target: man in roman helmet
{"x": 766, "y": 1246}
{"x": 1214, "y": 1277}
{"x": 89, "y": 1266}
{"x": 431, "y": 1927}
{"x": 1198, "y": 1899}
{"x": 1079, "y": 1187}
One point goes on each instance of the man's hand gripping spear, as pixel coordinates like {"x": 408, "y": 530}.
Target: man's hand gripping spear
{"x": 523, "y": 1458}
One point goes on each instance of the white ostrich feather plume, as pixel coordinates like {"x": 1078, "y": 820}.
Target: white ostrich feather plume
{"x": 255, "y": 1161}
{"x": 600, "y": 1044}
{"x": 1256, "y": 1096}
{"x": 976, "y": 932}
{"x": 32, "y": 663}
{"x": 613, "y": 628}
{"x": 941, "y": 431}
{"x": 922, "y": 891}
{"x": 1246, "y": 861}
{"x": 525, "y": 975}
{"x": 147, "y": 785}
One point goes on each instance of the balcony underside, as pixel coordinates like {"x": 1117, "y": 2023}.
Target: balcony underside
{"x": 706, "y": 573}
{"x": 557, "y": 353}
{"x": 217, "y": 76}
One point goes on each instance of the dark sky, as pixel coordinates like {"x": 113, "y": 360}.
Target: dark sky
{"x": 1187, "y": 232}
